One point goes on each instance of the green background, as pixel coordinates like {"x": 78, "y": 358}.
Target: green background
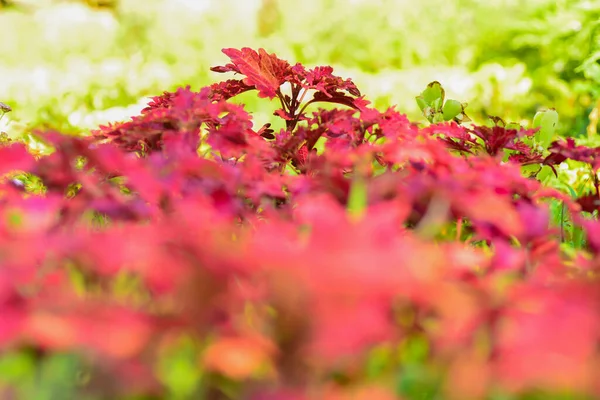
{"x": 70, "y": 66}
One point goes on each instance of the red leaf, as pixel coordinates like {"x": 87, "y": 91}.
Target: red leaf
{"x": 264, "y": 71}
{"x": 336, "y": 97}
{"x": 163, "y": 101}
{"x": 228, "y": 89}
{"x": 548, "y": 339}
{"x": 567, "y": 149}
{"x": 323, "y": 80}
{"x": 15, "y": 157}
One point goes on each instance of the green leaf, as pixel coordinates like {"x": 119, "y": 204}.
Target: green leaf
{"x": 437, "y": 118}
{"x": 414, "y": 350}
{"x": 546, "y": 121}
{"x": 56, "y": 378}
{"x": 430, "y": 101}
{"x": 545, "y": 175}
{"x": 380, "y": 359}
{"x": 452, "y": 109}
{"x": 416, "y": 382}
{"x": 529, "y": 170}
{"x": 433, "y": 92}
{"x": 15, "y": 367}
{"x": 77, "y": 279}
{"x": 578, "y": 237}
{"x": 437, "y": 105}
{"x": 178, "y": 369}
{"x": 422, "y": 103}
{"x": 357, "y": 198}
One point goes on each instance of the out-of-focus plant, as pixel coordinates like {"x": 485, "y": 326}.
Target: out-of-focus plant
{"x": 556, "y": 42}
{"x": 436, "y": 109}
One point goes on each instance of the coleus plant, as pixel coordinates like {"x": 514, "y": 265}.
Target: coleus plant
{"x": 536, "y": 149}
{"x": 268, "y": 75}
{"x": 436, "y": 109}
{"x": 185, "y": 253}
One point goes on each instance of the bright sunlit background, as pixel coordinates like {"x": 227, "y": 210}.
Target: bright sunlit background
{"x": 71, "y": 65}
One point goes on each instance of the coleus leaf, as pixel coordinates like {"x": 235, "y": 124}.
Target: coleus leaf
{"x": 323, "y": 80}
{"x": 280, "y": 112}
{"x": 497, "y": 138}
{"x": 264, "y": 71}
{"x": 267, "y": 73}
{"x": 228, "y": 89}
{"x": 266, "y": 131}
{"x": 454, "y": 136}
{"x": 163, "y": 101}
{"x": 567, "y": 149}
{"x": 589, "y": 202}
{"x": 337, "y": 97}
{"x": 15, "y": 157}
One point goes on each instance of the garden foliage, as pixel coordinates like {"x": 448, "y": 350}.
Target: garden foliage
{"x": 189, "y": 253}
